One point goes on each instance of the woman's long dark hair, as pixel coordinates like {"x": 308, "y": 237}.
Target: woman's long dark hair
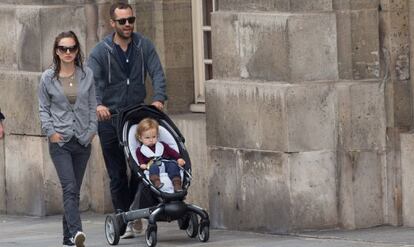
{"x": 56, "y": 59}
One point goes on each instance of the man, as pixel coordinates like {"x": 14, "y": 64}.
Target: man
{"x": 120, "y": 63}
{"x": 1, "y": 125}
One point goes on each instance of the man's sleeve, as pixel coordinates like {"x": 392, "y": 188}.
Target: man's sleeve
{"x": 1, "y": 116}
{"x": 156, "y": 72}
{"x": 98, "y": 75}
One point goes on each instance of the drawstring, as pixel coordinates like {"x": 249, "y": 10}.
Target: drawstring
{"x": 143, "y": 67}
{"x": 109, "y": 65}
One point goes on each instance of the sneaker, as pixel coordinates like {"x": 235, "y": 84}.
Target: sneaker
{"x": 129, "y": 233}
{"x": 68, "y": 242}
{"x": 79, "y": 239}
{"x": 137, "y": 226}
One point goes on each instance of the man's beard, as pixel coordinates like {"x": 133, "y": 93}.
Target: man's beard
{"x": 121, "y": 34}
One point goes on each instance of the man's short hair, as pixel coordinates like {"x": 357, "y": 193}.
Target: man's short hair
{"x": 118, "y": 5}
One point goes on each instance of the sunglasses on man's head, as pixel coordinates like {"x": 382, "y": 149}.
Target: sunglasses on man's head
{"x": 64, "y": 49}
{"x": 122, "y": 21}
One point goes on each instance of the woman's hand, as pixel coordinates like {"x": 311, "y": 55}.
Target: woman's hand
{"x": 181, "y": 162}
{"x": 143, "y": 166}
{"x": 55, "y": 138}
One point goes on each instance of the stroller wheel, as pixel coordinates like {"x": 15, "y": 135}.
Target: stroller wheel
{"x": 151, "y": 237}
{"x": 112, "y": 229}
{"x": 203, "y": 233}
{"x": 183, "y": 222}
{"x": 192, "y": 228}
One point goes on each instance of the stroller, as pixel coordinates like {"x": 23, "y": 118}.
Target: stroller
{"x": 152, "y": 203}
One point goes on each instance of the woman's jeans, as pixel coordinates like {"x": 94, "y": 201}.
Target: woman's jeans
{"x": 70, "y": 162}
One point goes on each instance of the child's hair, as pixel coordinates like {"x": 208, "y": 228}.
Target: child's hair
{"x": 146, "y": 124}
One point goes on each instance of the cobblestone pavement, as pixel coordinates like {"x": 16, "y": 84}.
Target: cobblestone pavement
{"x": 46, "y": 232}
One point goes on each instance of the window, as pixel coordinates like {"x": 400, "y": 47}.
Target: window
{"x": 203, "y": 63}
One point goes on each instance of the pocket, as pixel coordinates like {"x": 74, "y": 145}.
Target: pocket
{"x": 53, "y": 147}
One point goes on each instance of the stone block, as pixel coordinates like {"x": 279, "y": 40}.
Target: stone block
{"x": 358, "y": 44}
{"x": 311, "y": 5}
{"x": 362, "y": 122}
{"x": 193, "y": 128}
{"x": 180, "y": 89}
{"x": 8, "y": 46}
{"x": 237, "y": 178}
{"x": 259, "y": 34}
{"x": 407, "y": 172}
{"x": 255, "y": 5}
{"x": 19, "y": 102}
{"x": 2, "y": 178}
{"x": 275, "y": 5}
{"x": 392, "y": 188}
{"x": 393, "y": 5}
{"x": 312, "y": 47}
{"x": 248, "y": 115}
{"x": 34, "y": 188}
{"x": 402, "y": 104}
{"x": 360, "y": 189}
{"x": 313, "y": 189}
{"x": 311, "y": 117}
{"x": 224, "y": 188}
{"x": 226, "y": 48}
{"x": 355, "y": 4}
{"x": 25, "y": 188}
{"x": 275, "y": 47}
{"x": 264, "y": 198}
{"x": 29, "y": 40}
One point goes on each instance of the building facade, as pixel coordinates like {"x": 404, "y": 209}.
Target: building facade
{"x": 307, "y": 107}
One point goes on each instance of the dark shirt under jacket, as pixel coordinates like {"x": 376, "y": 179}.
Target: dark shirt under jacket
{"x": 1, "y": 116}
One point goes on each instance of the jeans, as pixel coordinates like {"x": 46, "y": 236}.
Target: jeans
{"x": 70, "y": 162}
{"x": 171, "y": 167}
{"x": 122, "y": 192}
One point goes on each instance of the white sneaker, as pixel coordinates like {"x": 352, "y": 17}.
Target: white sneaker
{"x": 79, "y": 239}
{"x": 129, "y": 233}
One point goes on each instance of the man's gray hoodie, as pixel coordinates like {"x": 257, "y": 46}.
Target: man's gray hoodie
{"x": 113, "y": 88}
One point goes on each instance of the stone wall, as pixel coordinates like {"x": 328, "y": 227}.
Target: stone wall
{"x": 306, "y": 108}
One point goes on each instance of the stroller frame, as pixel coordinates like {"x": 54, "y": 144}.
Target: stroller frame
{"x": 158, "y": 205}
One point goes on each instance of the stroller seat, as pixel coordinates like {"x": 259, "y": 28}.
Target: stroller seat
{"x": 167, "y": 138}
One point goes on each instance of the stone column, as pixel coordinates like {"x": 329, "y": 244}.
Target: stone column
{"x": 296, "y": 116}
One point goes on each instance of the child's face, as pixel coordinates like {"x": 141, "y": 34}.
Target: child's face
{"x": 149, "y": 137}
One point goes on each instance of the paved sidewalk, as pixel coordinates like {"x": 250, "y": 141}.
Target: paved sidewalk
{"x": 46, "y": 232}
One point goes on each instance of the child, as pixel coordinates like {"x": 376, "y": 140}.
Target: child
{"x": 151, "y": 151}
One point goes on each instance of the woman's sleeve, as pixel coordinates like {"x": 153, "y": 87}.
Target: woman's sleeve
{"x": 44, "y": 109}
{"x": 93, "y": 121}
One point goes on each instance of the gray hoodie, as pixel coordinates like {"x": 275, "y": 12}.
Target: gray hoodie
{"x": 57, "y": 115}
{"x": 113, "y": 88}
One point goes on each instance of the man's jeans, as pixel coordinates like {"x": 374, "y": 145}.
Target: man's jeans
{"x": 70, "y": 162}
{"x": 122, "y": 192}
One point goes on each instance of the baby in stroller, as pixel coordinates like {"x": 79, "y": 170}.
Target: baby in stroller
{"x": 154, "y": 201}
{"x": 152, "y": 154}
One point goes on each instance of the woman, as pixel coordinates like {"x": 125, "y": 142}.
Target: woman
{"x": 67, "y": 108}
